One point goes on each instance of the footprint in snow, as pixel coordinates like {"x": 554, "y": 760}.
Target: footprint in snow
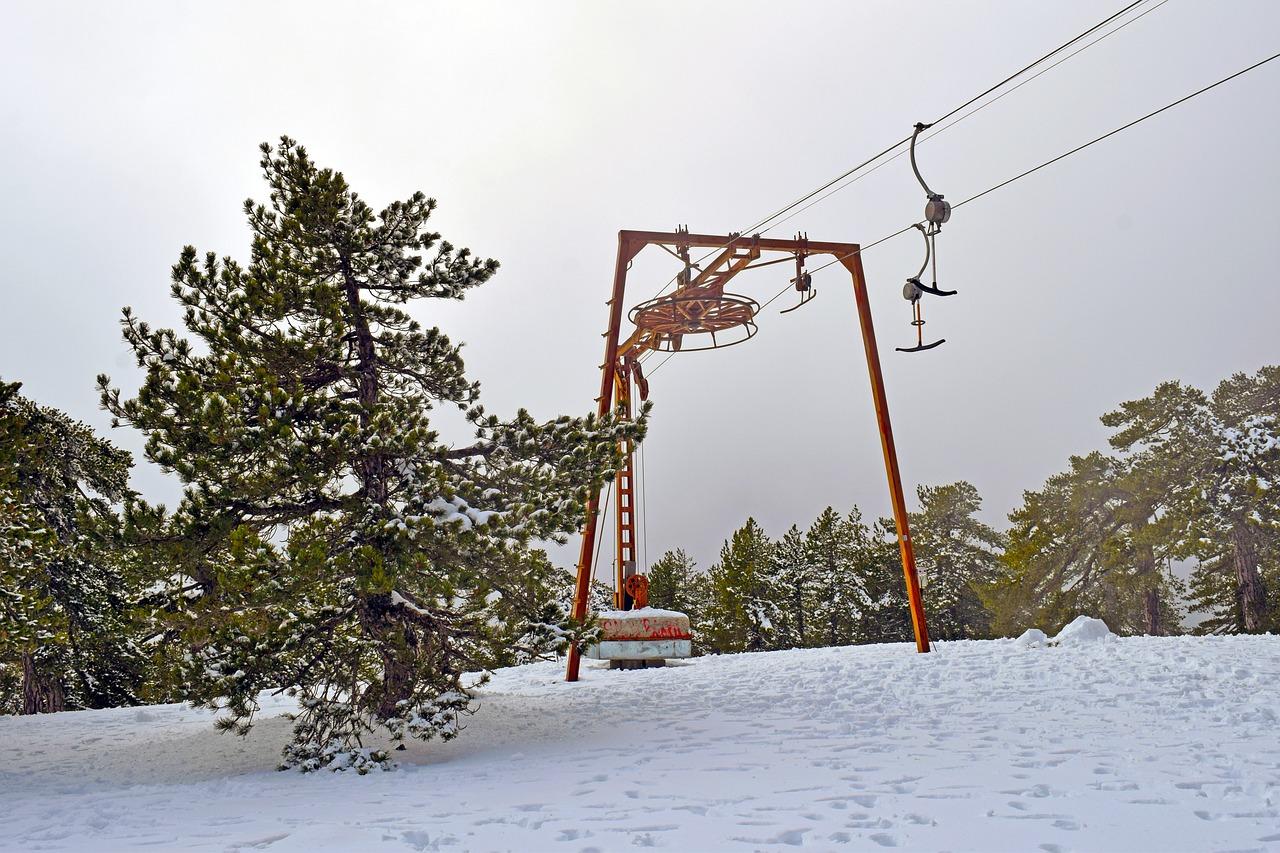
{"x": 260, "y": 843}
{"x": 794, "y": 837}
{"x": 420, "y": 840}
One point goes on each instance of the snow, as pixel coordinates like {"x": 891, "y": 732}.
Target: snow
{"x": 1083, "y": 629}
{"x": 1129, "y": 744}
{"x": 398, "y": 599}
{"x": 639, "y": 614}
{"x": 1032, "y": 638}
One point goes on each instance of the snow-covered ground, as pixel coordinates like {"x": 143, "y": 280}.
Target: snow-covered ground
{"x": 1130, "y": 744}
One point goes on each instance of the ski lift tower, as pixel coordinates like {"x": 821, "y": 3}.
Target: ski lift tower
{"x": 698, "y": 315}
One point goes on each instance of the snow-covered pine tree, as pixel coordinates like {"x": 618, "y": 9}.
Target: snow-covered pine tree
{"x": 529, "y": 600}
{"x": 836, "y": 549}
{"x": 339, "y": 547}
{"x": 66, "y": 636}
{"x": 1242, "y": 503}
{"x": 795, "y": 575}
{"x": 887, "y": 616}
{"x": 743, "y": 609}
{"x": 1215, "y": 459}
{"x": 958, "y": 556}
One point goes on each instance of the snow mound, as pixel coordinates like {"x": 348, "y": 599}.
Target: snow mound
{"x": 1081, "y": 630}
{"x": 1032, "y": 638}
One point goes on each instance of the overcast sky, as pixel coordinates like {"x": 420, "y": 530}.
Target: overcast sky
{"x": 130, "y": 130}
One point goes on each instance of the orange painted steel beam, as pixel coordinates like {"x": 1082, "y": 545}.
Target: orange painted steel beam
{"x": 627, "y": 250}
{"x": 723, "y": 241}
{"x": 853, "y": 263}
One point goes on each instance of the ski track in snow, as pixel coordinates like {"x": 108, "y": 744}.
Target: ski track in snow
{"x": 1132, "y": 744}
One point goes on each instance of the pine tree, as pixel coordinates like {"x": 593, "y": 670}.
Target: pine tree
{"x": 742, "y": 611}
{"x": 528, "y": 602}
{"x": 1215, "y": 459}
{"x": 676, "y": 584}
{"x": 886, "y": 615}
{"x": 671, "y": 582}
{"x": 1241, "y": 506}
{"x": 67, "y": 639}
{"x": 337, "y": 546}
{"x": 836, "y": 549}
{"x": 1088, "y": 542}
{"x": 795, "y": 573}
{"x": 958, "y": 557}
{"x": 697, "y": 604}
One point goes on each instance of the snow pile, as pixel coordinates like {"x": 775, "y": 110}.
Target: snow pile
{"x": 1083, "y": 629}
{"x": 1136, "y": 743}
{"x": 1032, "y": 638}
{"x": 1079, "y": 631}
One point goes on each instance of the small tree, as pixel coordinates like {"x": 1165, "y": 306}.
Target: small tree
{"x": 337, "y": 545}
{"x": 66, "y": 636}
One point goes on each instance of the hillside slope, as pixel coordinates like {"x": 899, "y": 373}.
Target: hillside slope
{"x": 1130, "y": 744}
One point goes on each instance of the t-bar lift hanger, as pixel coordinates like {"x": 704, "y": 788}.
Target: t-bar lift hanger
{"x": 936, "y": 212}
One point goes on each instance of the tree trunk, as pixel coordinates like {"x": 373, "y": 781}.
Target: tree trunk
{"x": 395, "y": 639}
{"x": 397, "y": 643}
{"x": 1151, "y": 618}
{"x": 1249, "y": 588}
{"x": 40, "y": 695}
{"x": 1149, "y": 572}
{"x": 800, "y": 615}
{"x": 372, "y": 465}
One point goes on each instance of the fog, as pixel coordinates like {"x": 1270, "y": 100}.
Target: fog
{"x": 543, "y": 129}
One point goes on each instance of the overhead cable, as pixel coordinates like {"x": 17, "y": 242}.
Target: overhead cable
{"x": 765, "y": 223}
{"x": 1061, "y": 156}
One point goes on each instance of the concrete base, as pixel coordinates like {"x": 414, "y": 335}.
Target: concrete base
{"x": 639, "y": 650}
{"x": 636, "y": 664}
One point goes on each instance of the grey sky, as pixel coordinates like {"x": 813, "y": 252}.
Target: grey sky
{"x": 544, "y": 128}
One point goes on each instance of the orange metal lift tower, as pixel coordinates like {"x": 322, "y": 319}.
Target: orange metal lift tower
{"x": 700, "y": 306}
